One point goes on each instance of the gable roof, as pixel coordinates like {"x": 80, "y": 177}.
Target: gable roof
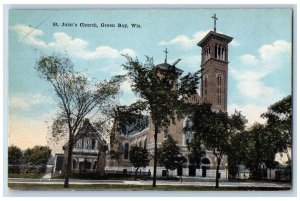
{"x": 88, "y": 129}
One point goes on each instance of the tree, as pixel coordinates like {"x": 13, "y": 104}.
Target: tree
{"x": 14, "y": 155}
{"x": 195, "y": 145}
{"x": 261, "y": 150}
{"x": 279, "y": 123}
{"x": 160, "y": 96}
{"x": 238, "y": 152}
{"x": 216, "y": 130}
{"x": 36, "y": 158}
{"x": 38, "y": 155}
{"x": 77, "y": 97}
{"x": 139, "y": 157}
{"x": 14, "y": 159}
{"x": 168, "y": 154}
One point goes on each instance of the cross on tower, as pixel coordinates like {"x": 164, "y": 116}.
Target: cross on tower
{"x": 215, "y": 21}
{"x": 166, "y": 52}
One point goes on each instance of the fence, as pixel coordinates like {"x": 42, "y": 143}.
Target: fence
{"x": 129, "y": 172}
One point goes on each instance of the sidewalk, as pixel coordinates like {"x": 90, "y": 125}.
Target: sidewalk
{"x": 46, "y": 180}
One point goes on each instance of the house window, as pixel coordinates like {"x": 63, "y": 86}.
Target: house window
{"x": 79, "y": 144}
{"x": 94, "y": 165}
{"x": 126, "y": 150}
{"x": 93, "y": 144}
{"x": 74, "y": 164}
{"x": 88, "y": 144}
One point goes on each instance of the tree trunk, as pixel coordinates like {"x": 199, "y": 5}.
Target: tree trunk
{"x": 69, "y": 161}
{"x": 217, "y": 173}
{"x": 136, "y": 172}
{"x": 155, "y": 156}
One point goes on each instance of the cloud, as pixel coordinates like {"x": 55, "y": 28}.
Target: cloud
{"x": 189, "y": 63}
{"x": 253, "y": 69}
{"x": 65, "y": 43}
{"x": 234, "y": 43}
{"x": 26, "y": 102}
{"x": 29, "y": 35}
{"x": 249, "y": 59}
{"x": 250, "y": 79}
{"x": 251, "y": 111}
{"x": 184, "y": 41}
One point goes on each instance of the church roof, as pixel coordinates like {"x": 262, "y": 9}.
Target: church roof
{"x": 166, "y": 66}
{"x": 216, "y": 35}
{"x": 133, "y": 128}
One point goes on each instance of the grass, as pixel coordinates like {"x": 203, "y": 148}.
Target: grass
{"x": 25, "y": 175}
{"x": 124, "y": 187}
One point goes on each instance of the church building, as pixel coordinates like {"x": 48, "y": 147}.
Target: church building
{"x": 213, "y": 90}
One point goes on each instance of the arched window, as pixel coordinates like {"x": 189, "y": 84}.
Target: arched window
{"x": 74, "y": 164}
{"x": 145, "y": 144}
{"x": 205, "y": 88}
{"x": 126, "y": 150}
{"x": 187, "y": 135}
{"x": 219, "y": 89}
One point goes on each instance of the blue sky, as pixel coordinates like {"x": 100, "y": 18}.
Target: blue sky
{"x": 259, "y": 69}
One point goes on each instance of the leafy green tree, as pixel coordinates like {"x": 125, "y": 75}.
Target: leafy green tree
{"x": 14, "y": 155}
{"x": 238, "y": 152}
{"x": 216, "y": 130}
{"x": 38, "y": 155}
{"x": 161, "y": 97}
{"x": 279, "y": 123}
{"x": 168, "y": 154}
{"x": 194, "y": 144}
{"x": 139, "y": 157}
{"x": 77, "y": 98}
{"x": 14, "y": 159}
{"x": 261, "y": 150}
{"x": 35, "y": 159}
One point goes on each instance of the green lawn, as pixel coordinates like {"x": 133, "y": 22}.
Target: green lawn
{"x": 123, "y": 187}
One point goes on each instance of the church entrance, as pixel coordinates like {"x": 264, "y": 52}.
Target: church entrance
{"x": 205, "y": 164}
{"x": 192, "y": 170}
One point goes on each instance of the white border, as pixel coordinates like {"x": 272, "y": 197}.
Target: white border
{"x": 133, "y": 4}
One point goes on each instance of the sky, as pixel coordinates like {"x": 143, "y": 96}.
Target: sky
{"x": 260, "y": 55}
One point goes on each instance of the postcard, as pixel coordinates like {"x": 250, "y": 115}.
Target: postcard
{"x": 150, "y": 99}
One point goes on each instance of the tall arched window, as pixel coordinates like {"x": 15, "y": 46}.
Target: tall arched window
{"x": 145, "y": 144}
{"x": 219, "y": 89}
{"x": 205, "y": 88}
{"x": 126, "y": 150}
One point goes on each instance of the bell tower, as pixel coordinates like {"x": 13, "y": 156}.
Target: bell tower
{"x": 214, "y": 68}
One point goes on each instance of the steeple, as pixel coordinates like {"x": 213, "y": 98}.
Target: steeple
{"x": 214, "y": 68}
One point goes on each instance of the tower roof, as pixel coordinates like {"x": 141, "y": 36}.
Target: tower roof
{"x": 215, "y": 35}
